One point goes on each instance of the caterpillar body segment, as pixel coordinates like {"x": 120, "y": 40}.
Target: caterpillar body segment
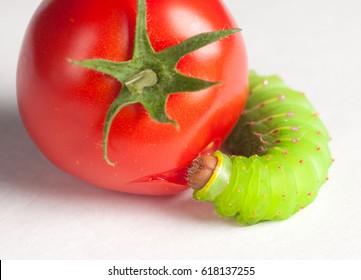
{"x": 281, "y": 156}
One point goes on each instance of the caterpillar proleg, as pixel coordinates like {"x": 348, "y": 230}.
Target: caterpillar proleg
{"x": 281, "y": 157}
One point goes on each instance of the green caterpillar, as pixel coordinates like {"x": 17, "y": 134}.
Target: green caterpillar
{"x": 282, "y": 157}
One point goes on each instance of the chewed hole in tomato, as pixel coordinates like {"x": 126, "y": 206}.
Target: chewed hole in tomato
{"x": 176, "y": 176}
{"x": 179, "y": 175}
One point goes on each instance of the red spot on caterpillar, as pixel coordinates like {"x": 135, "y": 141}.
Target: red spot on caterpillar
{"x": 270, "y": 119}
{"x": 278, "y": 213}
{"x": 280, "y": 166}
{"x": 284, "y": 196}
{"x": 268, "y": 157}
{"x": 318, "y": 132}
{"x": 261, "y": 105}
{"x": 295, "y": 140}
{"x": 285, "y": 152}
{"x": 309, "y": 194}
{"x": 327, "y": 178}
{"x": 251, "y": 123}
{"x": 316, "y": 115}
{"x": 301, "y": 161}
{"x": 277, "y": 141}
{"x": 275, "y": 131}
{"x": 254, "y": 213}
{"x": 318, "y": 148}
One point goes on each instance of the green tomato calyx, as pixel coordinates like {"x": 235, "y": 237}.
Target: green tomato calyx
{"x": 150, "y": 77}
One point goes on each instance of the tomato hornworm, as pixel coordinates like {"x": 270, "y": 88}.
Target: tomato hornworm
{"x": 280, "y": 157}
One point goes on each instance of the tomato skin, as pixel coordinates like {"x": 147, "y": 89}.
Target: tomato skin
{"x": 63, "y": 106}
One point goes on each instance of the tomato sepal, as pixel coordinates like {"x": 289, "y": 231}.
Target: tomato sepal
{"x": 150, "y": 77}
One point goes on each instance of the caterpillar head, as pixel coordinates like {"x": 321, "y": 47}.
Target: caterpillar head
{"x": 209, "y": 176}
{"x": 201, "y": 171}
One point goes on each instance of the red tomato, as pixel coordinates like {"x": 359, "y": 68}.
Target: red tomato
{"x": 63, "y": 106}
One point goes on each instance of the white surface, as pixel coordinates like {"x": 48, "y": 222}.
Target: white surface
{"x": 47, "y": 214}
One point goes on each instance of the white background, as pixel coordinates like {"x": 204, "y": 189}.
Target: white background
{"x": 46, "y": 214}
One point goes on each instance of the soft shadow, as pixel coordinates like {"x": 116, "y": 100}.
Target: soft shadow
{"x": 24, "y": 170}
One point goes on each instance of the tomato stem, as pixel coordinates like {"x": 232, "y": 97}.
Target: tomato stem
{"x": 143, "y": 79}
{"x": 150, "y": 77}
